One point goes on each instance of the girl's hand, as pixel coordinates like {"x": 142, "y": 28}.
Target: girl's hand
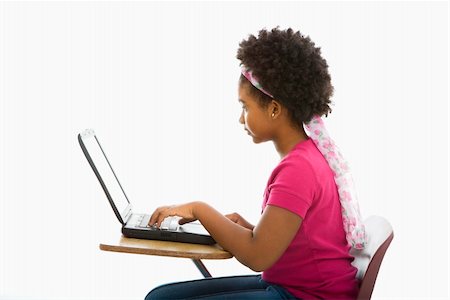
{"x": 236, "y": 218}
{"x": 185, "y": 211}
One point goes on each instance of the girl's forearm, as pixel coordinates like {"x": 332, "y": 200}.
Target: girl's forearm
{"x": 231, "y": 236}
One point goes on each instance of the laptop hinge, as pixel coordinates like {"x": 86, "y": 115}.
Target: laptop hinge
{"x": 129, "y": 212}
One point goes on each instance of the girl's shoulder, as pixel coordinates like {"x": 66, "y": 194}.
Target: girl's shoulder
{"x": 304, "y": 160}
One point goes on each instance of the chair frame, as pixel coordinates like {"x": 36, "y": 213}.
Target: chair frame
{"x": 368, "y": 281}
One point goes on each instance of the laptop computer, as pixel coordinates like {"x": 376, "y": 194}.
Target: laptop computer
{"x": 135, "y": 225}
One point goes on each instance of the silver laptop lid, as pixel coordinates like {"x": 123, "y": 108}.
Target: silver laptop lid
{"x": 105, "y": 174}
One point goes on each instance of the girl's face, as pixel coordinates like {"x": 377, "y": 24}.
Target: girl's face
{"x": 257, "y": 120}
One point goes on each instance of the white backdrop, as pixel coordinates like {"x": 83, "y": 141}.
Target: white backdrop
{"x": 158, "y": 83}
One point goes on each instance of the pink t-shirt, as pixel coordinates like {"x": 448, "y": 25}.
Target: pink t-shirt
{"x": 317, "y": 263}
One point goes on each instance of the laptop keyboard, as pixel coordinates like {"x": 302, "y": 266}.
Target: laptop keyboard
{"x": 142, "y": 221}
{"x": 169, "y": 223}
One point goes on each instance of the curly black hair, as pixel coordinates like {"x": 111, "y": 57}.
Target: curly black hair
{"x": 290, "y": 67}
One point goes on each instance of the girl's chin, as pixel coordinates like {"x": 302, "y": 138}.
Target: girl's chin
{"x": 256, "y": 140}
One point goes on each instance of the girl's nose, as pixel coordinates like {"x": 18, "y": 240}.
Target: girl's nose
{"x": 241, "y": 118}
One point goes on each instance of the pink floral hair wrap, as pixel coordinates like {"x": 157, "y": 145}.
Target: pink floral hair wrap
{"x": 249, "y": 75}
{"x": 351, "y": 216}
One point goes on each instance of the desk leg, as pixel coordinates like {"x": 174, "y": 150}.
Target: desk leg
{"x": 201, "y": 267}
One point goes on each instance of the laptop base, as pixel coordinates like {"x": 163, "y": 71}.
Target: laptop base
{"x": 162, "y": 235}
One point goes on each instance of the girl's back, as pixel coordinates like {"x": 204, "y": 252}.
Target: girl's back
{"x": 317, "y": 262}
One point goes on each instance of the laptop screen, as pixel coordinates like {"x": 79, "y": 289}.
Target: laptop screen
{"x": 104, "y": 170}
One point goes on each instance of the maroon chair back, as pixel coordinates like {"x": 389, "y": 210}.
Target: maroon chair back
{"x": 370, "y": 276}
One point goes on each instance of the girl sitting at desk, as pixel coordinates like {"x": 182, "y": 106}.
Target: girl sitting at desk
{"x": 310, "y": 218}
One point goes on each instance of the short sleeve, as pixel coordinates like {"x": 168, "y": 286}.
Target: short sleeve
{"x": 292, "y": 187}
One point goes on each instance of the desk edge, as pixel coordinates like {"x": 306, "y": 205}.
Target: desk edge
{"x": 156, "y": 252}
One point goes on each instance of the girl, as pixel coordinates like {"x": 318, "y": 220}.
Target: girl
{"x": 300, "y": 243}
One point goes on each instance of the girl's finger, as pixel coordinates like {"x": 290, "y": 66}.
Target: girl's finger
{"x": 184, "y": 221}
{"x": 162, "y": 215}
{"x": 155, "y": 215}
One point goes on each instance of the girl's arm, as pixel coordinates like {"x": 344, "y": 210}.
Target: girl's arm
{"x": 258, "y": 249}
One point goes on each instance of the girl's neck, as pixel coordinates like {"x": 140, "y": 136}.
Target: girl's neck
{"x": 287, "y": 139}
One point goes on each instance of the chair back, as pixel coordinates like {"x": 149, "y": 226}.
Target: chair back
{"x": 368, "y": 261}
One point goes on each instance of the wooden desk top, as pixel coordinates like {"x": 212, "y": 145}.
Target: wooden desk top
{"x": 165, "y": 248}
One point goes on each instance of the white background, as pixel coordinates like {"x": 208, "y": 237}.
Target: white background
{"x": 158, "y": 83}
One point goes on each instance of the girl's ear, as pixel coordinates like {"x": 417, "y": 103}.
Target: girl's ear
{"x": 274, "y": 109}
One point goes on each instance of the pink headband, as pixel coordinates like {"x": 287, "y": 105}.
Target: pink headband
{"x": 351, "y": 216}
{"x": 249, "y": 75}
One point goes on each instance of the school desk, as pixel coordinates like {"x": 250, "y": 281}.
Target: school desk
{"x": 195, "y": 252}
